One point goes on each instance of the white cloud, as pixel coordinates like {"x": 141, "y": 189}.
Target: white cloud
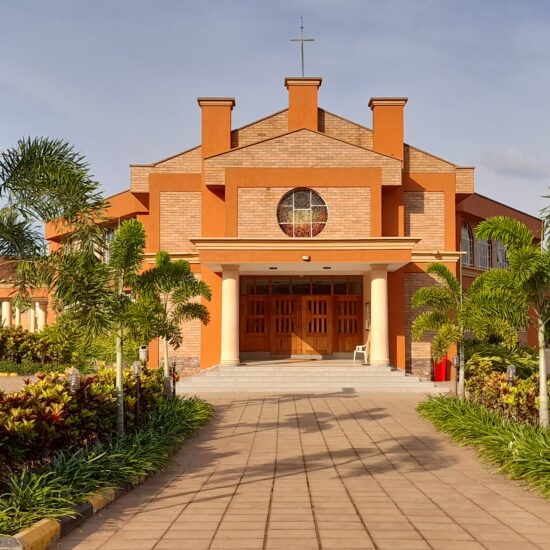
{"x": 514, "y": 163}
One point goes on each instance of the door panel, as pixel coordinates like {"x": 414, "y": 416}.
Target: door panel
{"x": 316, "y": 333}
{"x": 254, "y": 330}
{"x": 348, "y": 323}
{"x": 283, "y": 325}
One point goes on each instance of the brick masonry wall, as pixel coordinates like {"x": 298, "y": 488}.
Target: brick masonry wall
{"x": 188, "y": 162}
{"x": 417, "y": 354}
{"x": 180, "y": 219}
{"x": 302, "y": 149}
{"x": 416, "y": 160}
{"x": 464, "y": 180}
{"x": 340, "y": 128}
{"x": 188, "y": 354}
{"x": 348, "y": 212}
{"x": 274, "y": 125}
{"x": 424, "y": 218}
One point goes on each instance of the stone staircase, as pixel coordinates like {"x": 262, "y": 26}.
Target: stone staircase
{"x": 304, "y": 378}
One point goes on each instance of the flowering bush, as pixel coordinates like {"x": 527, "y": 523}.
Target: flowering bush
{"x": 517, "y": 401}
{"x": 46, "y": 416}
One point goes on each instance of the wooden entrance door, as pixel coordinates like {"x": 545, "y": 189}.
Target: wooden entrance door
{"x": 316, "y": 325}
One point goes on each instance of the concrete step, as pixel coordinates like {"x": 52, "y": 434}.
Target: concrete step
{"x": 311, "y": 389}
{"x": 299, "y": 378}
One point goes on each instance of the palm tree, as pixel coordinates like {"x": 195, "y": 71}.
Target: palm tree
{"x": 167, "y": 296}
{"x": 43, "y": 180}
{"x": 442, "y": 303}
{"x": 518, "y": 294}
{"x": 451, "y": 312}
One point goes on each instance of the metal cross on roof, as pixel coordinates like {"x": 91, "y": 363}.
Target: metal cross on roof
{"x": 302, "y": 40}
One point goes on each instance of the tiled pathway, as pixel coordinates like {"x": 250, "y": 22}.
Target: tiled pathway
{"x": 323, "y": 471}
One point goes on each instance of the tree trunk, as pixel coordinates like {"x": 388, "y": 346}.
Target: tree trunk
{"x": 460, "y": 389}
{"x": 167, "y": 386}
{"x": 543, "y": 389}
{"x": 119, "y": 385}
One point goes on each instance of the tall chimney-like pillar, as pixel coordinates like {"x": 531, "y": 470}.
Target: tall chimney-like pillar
{"x": 303, "y": 102}
{"x": 388, "y": 125}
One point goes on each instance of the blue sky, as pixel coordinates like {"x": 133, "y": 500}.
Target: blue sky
{"x": 120, "y": 78}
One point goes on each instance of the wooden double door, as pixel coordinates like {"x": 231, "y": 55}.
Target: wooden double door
{"x": 300, "y": 325}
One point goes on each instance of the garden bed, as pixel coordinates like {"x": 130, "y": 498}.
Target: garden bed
{"x": 56, "y": 489}
{"x": 519, "y": 450}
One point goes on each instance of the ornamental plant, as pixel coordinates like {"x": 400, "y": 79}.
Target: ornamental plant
{"x": 45, "y": 416}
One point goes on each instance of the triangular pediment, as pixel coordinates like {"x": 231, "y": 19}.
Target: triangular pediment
{"x": 302, "y": 149}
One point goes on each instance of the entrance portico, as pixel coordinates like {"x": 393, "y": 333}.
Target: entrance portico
{"x": 299, "y": 298}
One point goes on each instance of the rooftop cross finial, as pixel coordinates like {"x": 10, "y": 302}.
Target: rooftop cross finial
{"x": 302, "y": 40}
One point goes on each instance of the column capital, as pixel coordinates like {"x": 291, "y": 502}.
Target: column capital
{"x": 230, "y": 267}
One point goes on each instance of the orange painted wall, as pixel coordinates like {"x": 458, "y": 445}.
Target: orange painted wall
{"x": 302, "y": 103}
{"x": 211, "y": 333}
{"x": 396, "y": 297}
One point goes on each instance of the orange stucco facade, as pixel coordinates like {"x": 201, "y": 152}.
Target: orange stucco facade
{"x": 379, "y": 209}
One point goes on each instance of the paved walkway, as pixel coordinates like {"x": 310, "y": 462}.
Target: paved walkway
{"x": 326, "y": 471}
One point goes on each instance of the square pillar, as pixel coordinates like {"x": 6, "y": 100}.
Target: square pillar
{"x": 32, "y": 317}
{"x": 6, "y": 313}
{"x": 379, "y": 339}
{"x": 230, "y": 316}
{"x": 41, "y": 315}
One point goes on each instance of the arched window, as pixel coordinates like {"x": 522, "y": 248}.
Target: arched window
{"x": 467, "y": 245}
{"x": 302, "y": 213}
{"x": 484, "y": 254}
{"x": 502, "y": 256}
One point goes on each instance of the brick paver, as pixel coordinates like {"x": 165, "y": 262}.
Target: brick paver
{"x": 337, "y": 471}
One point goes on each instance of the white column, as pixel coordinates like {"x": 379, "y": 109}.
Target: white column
{"x": 230, "y": 316}
{"x": 41, "y": 315}
{"x": 6, "y": 313}
{"x": 379, "y": 342}
{"x": 32, "y": 317}
{"x": 17, "y": 316}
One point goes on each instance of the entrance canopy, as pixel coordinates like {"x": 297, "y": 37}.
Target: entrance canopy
{"x": 301, "y": 256}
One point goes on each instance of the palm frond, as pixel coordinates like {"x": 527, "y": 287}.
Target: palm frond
{"x": 436, "y": 297}
{"x": 445, "y": 276}
{"x": 512, "y": 233}
{"x": 428, "y": 321}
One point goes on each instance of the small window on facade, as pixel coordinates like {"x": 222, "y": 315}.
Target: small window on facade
{"x": 502, "y": 256}
{"x": 484, "y": 252}
{"x": 109, "y": 237}
{"x": 302, "y": 213}
{"x": 467, "y": 245}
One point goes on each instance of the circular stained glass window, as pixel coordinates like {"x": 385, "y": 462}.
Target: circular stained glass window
{"x": 302, "y": 213}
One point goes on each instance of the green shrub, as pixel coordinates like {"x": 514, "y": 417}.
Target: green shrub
{"x": 44, "y": 417}
{"x": 517, "y": 401}
{"x": 521, "y": 451}
{"x": 523, "y": 357}
{"x": 29, "y": 368}
{"x": 49, "y": 346}
{"x": 69, "y": 478}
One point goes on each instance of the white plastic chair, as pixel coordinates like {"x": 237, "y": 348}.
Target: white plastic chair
{"x": 362, "y": 350}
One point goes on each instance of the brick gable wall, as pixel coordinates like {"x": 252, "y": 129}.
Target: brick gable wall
{"x": 419, "y": 161}
{"x": 343, "y": 129}
{"x": 189, "y": 162}
{"x": 269, "y": 127}
{"x": 348, "y": 212}
{"x": 301, "y": 149}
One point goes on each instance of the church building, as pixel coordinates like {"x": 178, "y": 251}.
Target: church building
{"x": 312, "y": 231}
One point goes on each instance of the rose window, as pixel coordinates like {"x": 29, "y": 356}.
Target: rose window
{"x": 302, "y": 213}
